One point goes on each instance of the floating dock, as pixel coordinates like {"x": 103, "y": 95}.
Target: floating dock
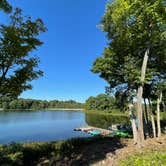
{"x": 93, "y": 130}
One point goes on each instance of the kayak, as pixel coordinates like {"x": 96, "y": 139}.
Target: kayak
{"x": 121, "y": 133}
{"x": 86, "y": 130}
{"x": 94, "y": 132}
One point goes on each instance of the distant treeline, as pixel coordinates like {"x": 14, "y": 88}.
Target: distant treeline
{"x": 38, "y": 104}
{"x": 100, "y": 102}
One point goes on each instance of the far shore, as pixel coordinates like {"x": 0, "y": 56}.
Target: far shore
{"x": 53, "y": 109}
{"x": 65, "y": 109}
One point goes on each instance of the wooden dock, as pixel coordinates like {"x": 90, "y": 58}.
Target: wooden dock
{"x": 88, "y": 129}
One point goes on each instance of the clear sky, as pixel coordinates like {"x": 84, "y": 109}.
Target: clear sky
{"x": 71, "y": 44}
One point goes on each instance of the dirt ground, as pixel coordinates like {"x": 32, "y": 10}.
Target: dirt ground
{"x": 104, "y": 151}
{"x": 112, "y": 159}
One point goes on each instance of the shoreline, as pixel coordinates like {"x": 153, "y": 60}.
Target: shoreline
{"x": 65, "y": 109}
{"x": 87, "y": 151}
{"x": 44, "y": 109}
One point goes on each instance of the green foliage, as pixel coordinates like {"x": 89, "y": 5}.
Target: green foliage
{"x": 148, "y": 159}
{"x": 121, "y": 100}
{"x": 163, "y": 115}
{"x": 11, "y": 155}
{"x": 131, "y": 28}
{"x": 100, "y": 102}
{"x": 20, "y": 154}
{"x": 105, "y": 120}
{"x": 76, "y": 151}
{"x": 33, "y": 151}
{"x": 17, "y": 67}
{"x": 5, "y": 6}
{"x": 65, "y": 104}
{"x": 23, "y": 104}
{"x": 56, "y": 152}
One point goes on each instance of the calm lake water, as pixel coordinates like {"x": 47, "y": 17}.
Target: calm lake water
{"x": 40, "y": 125}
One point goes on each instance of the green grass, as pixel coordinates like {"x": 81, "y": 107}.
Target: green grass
{"x": 146, "y": 159}
{"x": 76, "y": 151}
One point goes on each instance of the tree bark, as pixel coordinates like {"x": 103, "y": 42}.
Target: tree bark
{"x": 133, "y": 124}
{"x": 164, "y": 107}
{"x": 146, "y": 112}
{"x": 147, "y": 125}
{"x": 158, "y": 115}
{"x": 140, "y": 134}
{"x": 152, "y": 119}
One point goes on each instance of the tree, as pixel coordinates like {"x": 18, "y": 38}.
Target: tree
{"x": 17, "y": 65}
{"x": 100, "y": 102}
{"x": 148, "y": 94}
{"x": 158, "y": 89}
{"x": 136, "y": 34}
{"x": 5, "y": 6}
{"x": 121, "y": 100}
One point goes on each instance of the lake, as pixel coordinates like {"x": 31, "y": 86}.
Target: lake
{"x": 29, "y": 126}
{"x": 42, "y": 125}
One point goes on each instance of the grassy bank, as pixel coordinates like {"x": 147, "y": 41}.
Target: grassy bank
{"x": 84, "y": 152}
{"x": 153, "y": 153}
{"x": 106, "y": 112}
{"x": 78, "y": 151}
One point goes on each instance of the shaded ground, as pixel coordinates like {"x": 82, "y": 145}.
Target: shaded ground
{"x": 94, "y": 151}
{"x": 85, "y": 153}
{"x": 152, "y": 146}
{"x": 73, "y": 152}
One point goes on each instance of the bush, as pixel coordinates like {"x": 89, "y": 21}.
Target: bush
{"x": 11, "y": 155}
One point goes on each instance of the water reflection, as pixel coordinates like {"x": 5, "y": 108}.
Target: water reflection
{"x": 48, "y": 125}
{"x": 104, "y": 121}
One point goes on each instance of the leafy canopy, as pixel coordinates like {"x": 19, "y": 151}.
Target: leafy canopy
{"x": 5, "y": 6}
{"x": 132, "y": 27}
{"x": 17, "y": 64}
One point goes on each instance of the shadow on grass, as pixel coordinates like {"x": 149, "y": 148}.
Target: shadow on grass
{"x": 72, "y": 152}
{"x": 85, "y": 151}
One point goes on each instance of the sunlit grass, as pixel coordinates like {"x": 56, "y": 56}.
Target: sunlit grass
{"x": 146, "y": 159}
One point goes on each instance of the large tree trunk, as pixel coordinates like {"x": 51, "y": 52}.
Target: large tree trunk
{"x": 140, "y": 134}
{"x": 133, "y": 124}
{"x": 152, "y": 119}
{"x": 158, "y": 115}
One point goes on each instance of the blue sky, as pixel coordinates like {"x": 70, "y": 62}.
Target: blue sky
{"x": 71, "y": 44}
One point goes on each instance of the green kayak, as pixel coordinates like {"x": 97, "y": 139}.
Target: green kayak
{"x": 121, "y": 133}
